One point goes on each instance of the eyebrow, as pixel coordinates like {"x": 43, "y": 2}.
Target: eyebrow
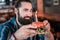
{"x": 27, "y": 9}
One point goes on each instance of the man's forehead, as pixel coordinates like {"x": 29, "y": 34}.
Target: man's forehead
{"x": 26, "y": 4}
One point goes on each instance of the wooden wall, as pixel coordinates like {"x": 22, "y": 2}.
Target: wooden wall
{"x": 52, "y": 16}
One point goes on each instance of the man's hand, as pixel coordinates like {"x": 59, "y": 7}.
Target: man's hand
{"x": 46, "y": 25}
{"x": 49, "y": 35}
{"x": 25, "y": 31}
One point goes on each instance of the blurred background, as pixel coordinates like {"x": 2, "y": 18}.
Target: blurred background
{"x": 46, "y": 9}
{"x": 6, "y": 10}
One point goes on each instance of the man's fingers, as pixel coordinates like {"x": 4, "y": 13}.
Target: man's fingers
{"x": 32, "y": 33}
{"x": 30, "y": 26}
{"x": 46, "y": 24}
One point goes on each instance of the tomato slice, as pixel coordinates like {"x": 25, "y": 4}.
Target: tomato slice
{"x": 39, "y": 24}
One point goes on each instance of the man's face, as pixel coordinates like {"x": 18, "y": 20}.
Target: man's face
{"x": 25, "y": 12}
{"x": 4, "y": 17}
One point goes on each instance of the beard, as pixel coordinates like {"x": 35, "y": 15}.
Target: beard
{"x": 26, "y": 20}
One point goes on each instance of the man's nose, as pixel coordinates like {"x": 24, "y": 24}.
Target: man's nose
{"x": 29, "y": 13}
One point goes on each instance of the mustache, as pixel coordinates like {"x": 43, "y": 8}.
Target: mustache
{"x": 27, "y": 17}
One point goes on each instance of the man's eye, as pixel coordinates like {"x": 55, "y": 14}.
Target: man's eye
{"x": 28, "y": 10}
{"x": 25, "y": 9}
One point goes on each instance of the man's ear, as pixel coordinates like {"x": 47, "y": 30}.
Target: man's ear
{"x": 15, "y": 10}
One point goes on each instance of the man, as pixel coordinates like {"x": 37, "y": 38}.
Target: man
{"x": 21, "y": 27}
{"x": 3, "y": 17}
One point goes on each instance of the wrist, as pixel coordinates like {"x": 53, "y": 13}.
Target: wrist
{"x": 17, "y": 37}
{"x": 14, "y": 37}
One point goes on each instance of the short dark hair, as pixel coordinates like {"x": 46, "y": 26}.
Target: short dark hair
{"x": 18, "y": 4}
